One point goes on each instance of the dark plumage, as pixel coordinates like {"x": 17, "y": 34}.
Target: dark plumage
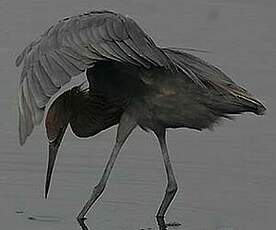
{"x": 131, "y": 82}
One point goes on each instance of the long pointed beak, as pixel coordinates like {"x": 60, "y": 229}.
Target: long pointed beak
{"x": 53, "y": 150}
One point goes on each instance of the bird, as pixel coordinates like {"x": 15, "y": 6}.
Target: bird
{"x": 132, "y": 82}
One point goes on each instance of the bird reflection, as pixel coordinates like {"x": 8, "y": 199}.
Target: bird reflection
{"x": 160, "y": 222}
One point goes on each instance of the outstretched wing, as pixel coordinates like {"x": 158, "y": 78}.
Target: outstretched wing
{"x": 71, "y": 46}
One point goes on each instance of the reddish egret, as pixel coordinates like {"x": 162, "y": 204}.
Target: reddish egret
{"x": 132, "y": 82}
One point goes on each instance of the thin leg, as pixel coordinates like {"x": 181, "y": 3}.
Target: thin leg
{"x": 172, "y": 185}
{"x": 127, "y": 124}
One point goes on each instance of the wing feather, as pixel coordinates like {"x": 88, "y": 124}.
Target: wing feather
{"x": 37, "y": 91}
{"x": 72, "y": 45}
{"x": 62, "y": 64}
{"x": 133, "y": 54}
{"x": 59, "y": 73}
{"x": 26, "y": 124}
{"x": 50, "y": 71}
{"x": 144, "y": 44}
{"x": 100, "y": 45}
{"x": 197, "y": 69}
{"x": 73, "y": 59}
{"x": 37, "y": 113}
{"x": 40, "y": 74}
{"x": 125, "y": 57}
{"x": 134, "y": 49}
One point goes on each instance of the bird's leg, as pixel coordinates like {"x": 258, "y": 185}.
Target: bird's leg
{"x": 171, "y": 185}
{"x": 126, "y": 125}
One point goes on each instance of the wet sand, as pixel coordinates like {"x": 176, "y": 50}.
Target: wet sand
{"x": 227, "y": 178}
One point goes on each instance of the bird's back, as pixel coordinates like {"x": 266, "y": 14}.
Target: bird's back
{"x": 175, "y": 100}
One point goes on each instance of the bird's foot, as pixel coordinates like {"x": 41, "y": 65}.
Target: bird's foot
{"x": 163, "y": 225}
{"x": 81, "y": 221}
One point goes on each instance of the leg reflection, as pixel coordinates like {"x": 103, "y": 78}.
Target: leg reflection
{"x": 160, "y": 221}
{"x": 82, "y": 224}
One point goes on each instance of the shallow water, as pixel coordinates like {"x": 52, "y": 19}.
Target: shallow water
{"x": 227, "y": 178}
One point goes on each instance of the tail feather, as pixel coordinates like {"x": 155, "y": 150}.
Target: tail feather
{"x": 241, "y": 100}
{"x": 248, "y": 100}
{"x": 252, "y": 104}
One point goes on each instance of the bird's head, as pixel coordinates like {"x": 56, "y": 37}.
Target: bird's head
{"x": 87, "y": 115}
{"x": 57, "y": 119}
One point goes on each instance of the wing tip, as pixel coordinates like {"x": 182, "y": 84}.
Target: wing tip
{"x": 261, "y": 110}
{"x": 19, "y": 60}
{"x": 22, "y": 136}
{"x": 22, "y": 140}
{"x": 25, "y": 121}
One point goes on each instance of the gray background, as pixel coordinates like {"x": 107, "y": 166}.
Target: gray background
{"x": 227, "y": 178}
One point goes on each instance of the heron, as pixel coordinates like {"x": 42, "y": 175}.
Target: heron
{"x": 132, "y": 82}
